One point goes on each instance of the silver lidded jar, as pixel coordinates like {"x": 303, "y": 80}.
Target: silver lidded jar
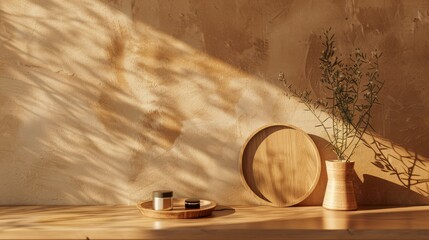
{"x": 162, "y": 200}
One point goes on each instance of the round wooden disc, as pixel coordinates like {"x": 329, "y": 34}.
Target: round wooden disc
{"x": 280, "y": 164}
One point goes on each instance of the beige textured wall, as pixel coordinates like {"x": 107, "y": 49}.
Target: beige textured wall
{"x": 102, "y": 102}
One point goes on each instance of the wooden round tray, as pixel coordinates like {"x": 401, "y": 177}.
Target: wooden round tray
{"x": 178, "y": 211}
{"x": 280, "y": 165}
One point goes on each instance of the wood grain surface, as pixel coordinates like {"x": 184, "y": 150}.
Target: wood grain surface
{"x": 238, "y": 222}
{"x": 179, "y": 211}
{"x": 280, "y": 164}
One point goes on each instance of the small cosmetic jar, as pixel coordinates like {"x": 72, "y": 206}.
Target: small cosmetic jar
{"x": 192, "y": 203}
{"x": 162, "y": 200}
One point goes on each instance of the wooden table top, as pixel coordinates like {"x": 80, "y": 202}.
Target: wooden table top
{"x": 240, "y": 222}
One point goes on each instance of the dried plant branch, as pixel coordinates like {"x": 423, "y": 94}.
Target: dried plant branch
{"x": 353, "y": 88}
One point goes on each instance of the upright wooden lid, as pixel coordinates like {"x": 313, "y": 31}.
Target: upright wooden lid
{"x": 280, "y": 165}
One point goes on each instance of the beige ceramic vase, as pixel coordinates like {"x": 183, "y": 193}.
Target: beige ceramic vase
{"x": 339, "y": 193}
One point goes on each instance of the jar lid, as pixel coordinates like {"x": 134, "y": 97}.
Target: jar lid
{"x": 192, "y": 200}
{"x": 163, "y": 193}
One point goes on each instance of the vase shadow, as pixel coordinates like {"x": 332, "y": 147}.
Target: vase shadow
{"x": 377, "y": 191}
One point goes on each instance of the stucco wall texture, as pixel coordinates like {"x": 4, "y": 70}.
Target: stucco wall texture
{"x": 102, "y": 102}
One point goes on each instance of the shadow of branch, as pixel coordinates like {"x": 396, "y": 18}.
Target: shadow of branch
{"x": 409, "y": 168}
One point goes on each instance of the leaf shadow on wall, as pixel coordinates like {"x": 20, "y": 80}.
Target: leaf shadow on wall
{"x": 51, "y": 153}
{"x": 401, "y": 151}
{"x": 409, "y": 168}
{"x": 54, "y": 149}
{"x": 79, "y": 135}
